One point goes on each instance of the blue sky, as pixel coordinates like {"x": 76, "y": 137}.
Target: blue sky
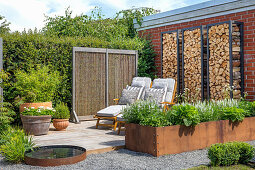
{"x": 29, "y": 14}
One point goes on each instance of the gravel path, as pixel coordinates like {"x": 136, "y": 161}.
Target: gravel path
{"x": 125, "y": 159}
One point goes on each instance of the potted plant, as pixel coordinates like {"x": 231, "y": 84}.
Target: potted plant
{"x": 61, "y": 116}
{"x": 35, "y": 90}
{"x": 37, "y": 121}
{"x": 36, "y": 87}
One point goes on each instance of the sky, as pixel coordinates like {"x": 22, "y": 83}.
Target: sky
{"x": 30, "y": 14}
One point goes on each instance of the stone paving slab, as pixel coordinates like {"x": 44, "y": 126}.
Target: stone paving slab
{"x": 85, "y": 135}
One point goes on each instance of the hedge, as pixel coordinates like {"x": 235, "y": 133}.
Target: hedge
{"x": 25, "y": 50}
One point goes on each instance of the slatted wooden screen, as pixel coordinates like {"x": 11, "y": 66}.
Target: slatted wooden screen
{"x": 121, "y": 71}
{"x": 99, "y": 76}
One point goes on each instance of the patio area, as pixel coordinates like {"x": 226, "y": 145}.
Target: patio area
{"x": 85, "y": 135}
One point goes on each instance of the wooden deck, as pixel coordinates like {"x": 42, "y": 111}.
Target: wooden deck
{"x": 85, "y": 135}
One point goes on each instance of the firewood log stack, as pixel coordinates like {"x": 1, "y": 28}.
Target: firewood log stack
{"x": 219, "y": 70}
{"x": 192, "y": 62}
{"x": 219, "y": 75}
{"x": 170, "y": 55}
{"x": 236, "y": 62}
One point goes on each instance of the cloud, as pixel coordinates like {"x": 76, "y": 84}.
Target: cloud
{"x": 30, "y": 13}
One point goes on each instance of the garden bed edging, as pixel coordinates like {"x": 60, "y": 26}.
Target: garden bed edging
{"x": 175, "y": 139}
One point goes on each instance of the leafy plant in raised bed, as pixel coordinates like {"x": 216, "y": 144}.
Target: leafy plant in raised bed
{"x": 185, "y": 114}
{"x": 145, "y": 113}
{"x": 232, "y": 113}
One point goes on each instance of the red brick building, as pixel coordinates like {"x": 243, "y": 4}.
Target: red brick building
{"x": 203, "y": 14}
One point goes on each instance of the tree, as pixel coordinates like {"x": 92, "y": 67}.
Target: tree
{"x": 128, "y": 16}
{"x": 4, "y": 25}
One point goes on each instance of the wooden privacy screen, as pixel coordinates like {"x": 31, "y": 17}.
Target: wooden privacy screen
{"x": 121, "y": 69}
{"x": 170, "y": 61}
{"x": 99, "y": 76}
{"x": 192, "y": 62}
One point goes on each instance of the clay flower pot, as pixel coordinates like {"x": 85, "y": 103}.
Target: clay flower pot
{"x": 36, "y": 125}
{"x": 60, "y": 124}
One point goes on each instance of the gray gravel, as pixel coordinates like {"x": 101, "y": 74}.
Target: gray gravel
{"x": 125, "y": 159}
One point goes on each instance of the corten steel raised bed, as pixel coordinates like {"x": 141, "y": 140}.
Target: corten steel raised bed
{"x": 159, "y": 141}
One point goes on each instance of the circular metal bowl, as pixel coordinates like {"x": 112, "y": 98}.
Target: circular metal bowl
{"x": 55, "y": 155}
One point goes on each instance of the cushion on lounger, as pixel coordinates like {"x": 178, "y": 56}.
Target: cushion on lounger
{"x": 111, "y": 111}
{"x": 130, "y": 95}
{"x": 147, "y": 81}
{"x": 157, "y": 95}
{"x": 157, "y": 83}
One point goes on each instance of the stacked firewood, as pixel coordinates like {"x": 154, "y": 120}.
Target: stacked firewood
{"x": 169, "y": 58}
{"x": 192, "y": 62}
{"x": 236, "y": 62}
{"x": 219, "y": 70}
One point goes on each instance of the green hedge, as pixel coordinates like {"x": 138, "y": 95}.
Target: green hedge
{"x": 25, "y": 50}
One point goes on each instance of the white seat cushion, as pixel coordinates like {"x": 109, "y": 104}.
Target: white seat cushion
{"x": 111, "y": 111}
{"x": 147, "y": 81}
{"x": 170, "y": 87}
{"x": 120, "y": 118}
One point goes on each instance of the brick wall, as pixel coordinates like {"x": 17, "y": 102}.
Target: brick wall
{"x": 248, "y": 17}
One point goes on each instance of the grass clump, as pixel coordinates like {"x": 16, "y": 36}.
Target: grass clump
{"x": 13, "y": 144}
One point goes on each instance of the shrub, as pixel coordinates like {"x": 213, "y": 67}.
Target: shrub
{"x": 37, "y": 85}
{"x": 5, "y": 115}
{"x": 224, "y": 154}
{"x": 38, "y": 112}
{"x": 246, "y": 152}
{"x": 62, "y": 111}
{"x": 230, "y": 153}
{"x": 6, "y": 111}
{"x": 14, "y": 143}
{"x": 145, "y": 113}
{"x": 185, "y": 114}
{"x": 146, "y": 63}
{"x": 232, "y": 113}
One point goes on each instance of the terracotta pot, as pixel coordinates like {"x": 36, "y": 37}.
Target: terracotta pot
{"x": 36, "y": 125}
{"x": 35, "y": 105}
{"x": 60, "y": 124}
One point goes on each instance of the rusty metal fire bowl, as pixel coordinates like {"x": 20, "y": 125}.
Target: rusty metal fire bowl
{"x": 55, "y": 155}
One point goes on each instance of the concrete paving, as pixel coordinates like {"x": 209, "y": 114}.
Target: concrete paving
{"x": 85, "y": 135}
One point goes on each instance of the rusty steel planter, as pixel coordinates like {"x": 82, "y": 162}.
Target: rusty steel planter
{"x": 55, "y": 161}
{"x": 159, "y": 141}
{"x": 36, "y": 125}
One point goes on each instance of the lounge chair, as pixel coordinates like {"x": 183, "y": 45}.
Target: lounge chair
{"x": 171, "y": 90}
{"x": 169, "y": 85}
{"x": 111, "y": 112}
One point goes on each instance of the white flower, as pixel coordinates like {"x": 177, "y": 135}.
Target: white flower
{"x": 32, "y": 107}
{"x": 48, "y": 108}
{"x": 41, "y": 107}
